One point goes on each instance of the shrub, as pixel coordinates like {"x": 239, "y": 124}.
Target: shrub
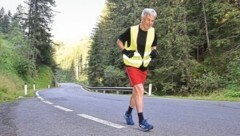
{"x": 233, "y": 91}
{"x": 206, "y": 83}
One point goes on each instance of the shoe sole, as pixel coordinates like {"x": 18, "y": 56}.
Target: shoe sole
{"x": 146, "y": 130}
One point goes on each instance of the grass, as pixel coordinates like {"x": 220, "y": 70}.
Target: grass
{"x": 8, "y": 86}
{"x": 12, "y": 87}
{"x": 218, "y": 95}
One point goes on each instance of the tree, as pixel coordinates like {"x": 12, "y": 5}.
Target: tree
{"x": 40, "y": 16}
{"x": 5, "y": 21}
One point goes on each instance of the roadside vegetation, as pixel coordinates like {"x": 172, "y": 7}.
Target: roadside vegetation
{"x": 26, "y": 49}
{"x": 12, "y": 80}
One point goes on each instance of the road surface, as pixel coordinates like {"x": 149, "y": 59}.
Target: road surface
{"x": 70, "y": 110}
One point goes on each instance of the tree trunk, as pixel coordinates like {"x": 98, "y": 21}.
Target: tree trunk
{"x": 206, "y": 27}
{"x": 187, "y": 72}
{"x": 77, "y": 68}
{"x": 239, "y": 4}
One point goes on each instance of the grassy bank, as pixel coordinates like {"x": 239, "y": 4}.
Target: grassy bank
{"x": 12, "y": 86}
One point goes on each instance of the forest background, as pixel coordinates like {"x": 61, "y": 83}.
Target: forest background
{"x": 198, "y": 43}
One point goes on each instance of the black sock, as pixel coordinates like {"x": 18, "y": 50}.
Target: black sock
{"x": 129, "y": 111}
{"x": 140, "y": 117}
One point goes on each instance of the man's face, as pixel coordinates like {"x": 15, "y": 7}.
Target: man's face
{"x": 147, "y": 22}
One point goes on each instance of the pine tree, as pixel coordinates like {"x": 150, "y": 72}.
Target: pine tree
{"x": 5, "y": 20}
{"x": 40, "y": 16}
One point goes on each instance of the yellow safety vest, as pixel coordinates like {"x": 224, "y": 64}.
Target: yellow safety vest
{"x": 137, "y": 60}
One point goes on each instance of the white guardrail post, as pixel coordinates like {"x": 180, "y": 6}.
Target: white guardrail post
{"x": 150, "y": 90}
{"x": 34, "y": 87}
{"x": 25, "y": 88}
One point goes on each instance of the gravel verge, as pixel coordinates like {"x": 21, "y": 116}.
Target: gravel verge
{"x": 7, "y": 127}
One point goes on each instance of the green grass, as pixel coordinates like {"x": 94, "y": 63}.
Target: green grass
{"x": 219, "y": 95}
{"x": 12, "y": 87}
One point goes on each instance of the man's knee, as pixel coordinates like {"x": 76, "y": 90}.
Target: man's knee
{"x": 138, "y": 89}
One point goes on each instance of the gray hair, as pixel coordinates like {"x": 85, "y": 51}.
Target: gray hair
{"x": 149, "y": 11}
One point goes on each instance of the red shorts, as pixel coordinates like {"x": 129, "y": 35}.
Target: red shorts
{"x": 136, "y": 76}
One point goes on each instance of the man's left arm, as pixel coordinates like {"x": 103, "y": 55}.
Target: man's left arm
{"x": 154, "y": 52}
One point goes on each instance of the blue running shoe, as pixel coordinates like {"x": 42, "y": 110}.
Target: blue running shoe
{"x": 128, "y": 118}
{"x": 145, "y": 126}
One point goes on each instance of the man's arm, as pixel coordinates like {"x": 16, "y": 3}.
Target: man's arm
{"x": 120, "y": 44}
{"x": 129, "y": 53}
{"x": 154, "y": 47}
{"x": 154, "y": 53}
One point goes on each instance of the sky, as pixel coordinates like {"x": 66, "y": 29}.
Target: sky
{"x": 73, "y": 21}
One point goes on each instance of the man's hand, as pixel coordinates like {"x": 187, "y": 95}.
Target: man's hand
{"x": 154, "y": 54}
{"x": 129, "y": 53}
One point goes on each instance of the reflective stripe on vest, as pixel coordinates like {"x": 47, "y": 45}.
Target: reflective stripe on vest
{"x": 137, "y": 60}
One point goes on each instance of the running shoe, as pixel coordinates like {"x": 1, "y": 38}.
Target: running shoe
{"x": 128, "y": 118}
{"x": 145, "y": 126}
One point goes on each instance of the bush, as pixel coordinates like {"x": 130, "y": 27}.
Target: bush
{"x": 234, "y": 71}
{"x": 22, "y": 66}
{"x": 233, "y": 91}
{"x": 206, "y": 83}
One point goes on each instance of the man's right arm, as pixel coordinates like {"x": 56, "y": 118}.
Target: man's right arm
{"x": 120, "y": 44}
{"x": 129, "y": 53}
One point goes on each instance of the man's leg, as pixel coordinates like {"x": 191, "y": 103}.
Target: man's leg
{"x": 132, "y": 99}
{"x": 128, "y": 113}
{"x": 138, "y": 97}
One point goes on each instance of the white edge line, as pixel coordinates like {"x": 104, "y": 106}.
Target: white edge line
{"x": 101, "y": 121}
{"x": 47, "y": 102}
{"x": 39, "y": 97}
{"x": 62, "y": 108}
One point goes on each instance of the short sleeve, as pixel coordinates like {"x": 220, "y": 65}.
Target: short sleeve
{"x": 125, "y": 36}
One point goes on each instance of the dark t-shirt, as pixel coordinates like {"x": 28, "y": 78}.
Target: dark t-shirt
{"x": 141, "y": 41}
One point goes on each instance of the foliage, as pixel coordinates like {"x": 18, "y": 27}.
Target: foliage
{"x": 72, "y": 61}
{"x": 36, "y": 25}
{"x": 16, "y": 65}
{"x": 234, "y": 91}
{"x": 234, "y": 69}
{"x": 6, "y": 57}
{"x": 114, "y": 77}
{"x": 43, "y": 78}
{"x": 207, "y": 83}
{"x": 9, "y": 85}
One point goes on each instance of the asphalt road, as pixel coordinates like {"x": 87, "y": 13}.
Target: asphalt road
{"x": 69, "y": 110}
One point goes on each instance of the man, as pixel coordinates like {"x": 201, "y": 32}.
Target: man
{"x": 138, "y": 46}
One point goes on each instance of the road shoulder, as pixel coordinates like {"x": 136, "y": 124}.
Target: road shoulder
{"x": 7, "y": 126}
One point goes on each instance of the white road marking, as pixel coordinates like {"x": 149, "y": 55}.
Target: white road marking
{"x": 82, "y": 115}
{"x": 39, "y": 97}
{"x": 37, "y": 94}
{"x": 101, "y": 121}
{"x": 47, "y": 102}
{"x": 62, "y": 108}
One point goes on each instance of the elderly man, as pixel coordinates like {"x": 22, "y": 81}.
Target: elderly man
{"x": 138, "y": 46}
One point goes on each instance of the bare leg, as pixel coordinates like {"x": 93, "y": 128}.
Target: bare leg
{"x": 138, "y": 92}
{"x": 132, "y": 99}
